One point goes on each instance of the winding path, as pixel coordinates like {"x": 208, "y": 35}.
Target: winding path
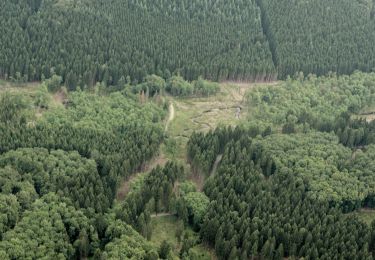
{"x": 148, "y": 166}
{"x": 171, "y": 116}
{"x": 199, "y": 119}
{"x": 216, "y": 164}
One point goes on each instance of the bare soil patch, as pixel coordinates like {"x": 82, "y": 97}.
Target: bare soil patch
{"x": 59, "y": 97}
{"x": 124, "y": 188}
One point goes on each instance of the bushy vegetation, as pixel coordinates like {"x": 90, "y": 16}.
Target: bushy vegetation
{"x": 176, "y": 86}
{"x": 67, "y": 174}
{"x": 333, "y": 173}
{"x": 192, "y": 207}
{"x": 126, "y": 243}
{"x": 51, "y": 228}
{"x": 59, "y": 173}
{"x": 313, "y": 100}
{"x": 115, "y": 131}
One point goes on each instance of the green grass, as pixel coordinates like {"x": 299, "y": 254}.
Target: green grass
{"x": 204, "y": 114}
{"x": 367, "y": 109}
{"x": 202, "y": 253}
{"x": 164, "y": 228}
{"x": 28, "y": 91}
{"x": 366, "y": 215}
{"x": 27, "y": 88}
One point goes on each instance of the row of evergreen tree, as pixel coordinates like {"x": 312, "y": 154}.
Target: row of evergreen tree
{"x": 97, "y": 41}
{"x": 218, "y": 40}
{"x": 323, "y": 36}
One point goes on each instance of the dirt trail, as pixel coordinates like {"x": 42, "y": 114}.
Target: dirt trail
{"x": 59, "y": 97}
{"x": 125, "y": 187}
{"x": 160, "y": 159}
{"x": 201, "y": 115}
{"x": 171, "y": 116}
{"x": 161, "y": 215}
{"x": 216, "y": 164}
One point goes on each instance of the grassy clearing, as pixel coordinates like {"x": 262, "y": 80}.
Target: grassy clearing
{"x": 367, "y": 113}
{"x": 29, "y": 90}
{"x": 200, "y": 115}
{"x": 370, "y": 118}
{"x": 206, "y": 113}
{"x": 165, "y": 227}
{"x": 203, "y": 252}
{"x": 24, "y": 88}
{"x": 366, "y": 215}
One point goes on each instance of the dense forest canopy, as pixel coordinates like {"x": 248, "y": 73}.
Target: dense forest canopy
{"x": 60, "y": 172}
{"x": 286, "y": 178}
{"x": 320, "y": 36}
{"x": 89, "y": 41}
{"x": 327, "y": 165}
{"x": 250, "y": 215}
{"x": 51, "y": 228}
{"x": 270, "y": 202}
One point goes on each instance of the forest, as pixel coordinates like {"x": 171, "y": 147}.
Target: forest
{"x": 99, "y": 41}
{"x": 323, "y": 36}
{"x": 288, "y": 177}
{"x": 90, "y": 41}
{"x": 190, "y": 129}
{"x": 60, "y": 171}
{"x": 62, "y": 164}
